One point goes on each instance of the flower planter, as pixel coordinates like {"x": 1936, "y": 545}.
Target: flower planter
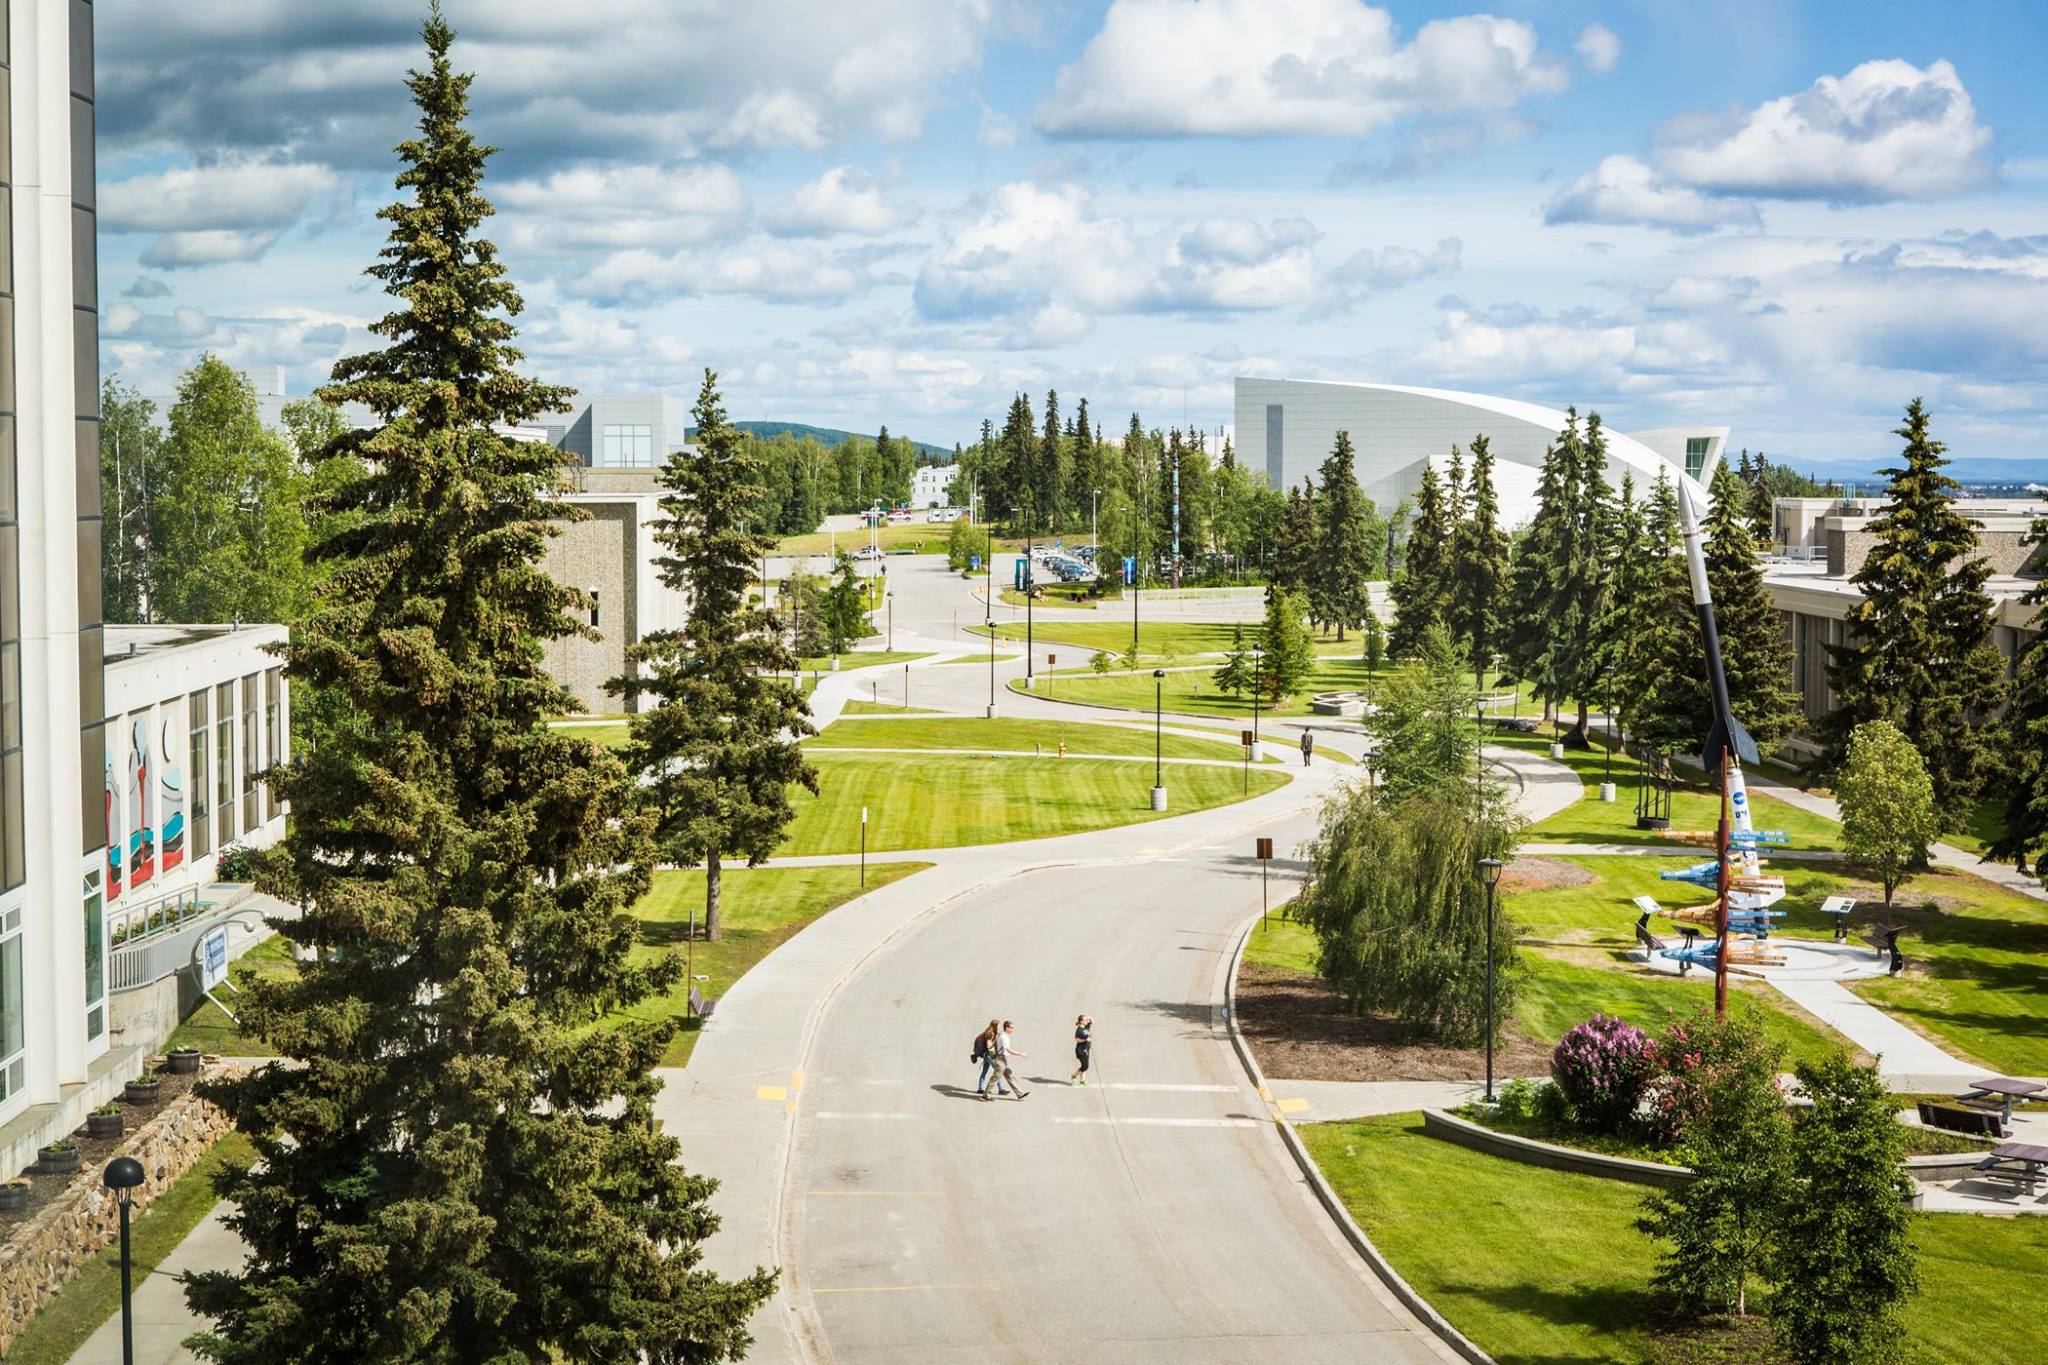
{"x": 105, "y": 1125}
{"x": 14, "y": 1196}
{"x": 142, "y": 1092}
{"x": 182, "y": 1061}
{"x": 59, "y": 1162}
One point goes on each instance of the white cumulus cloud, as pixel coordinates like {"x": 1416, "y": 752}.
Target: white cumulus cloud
{"x": 1598, "y": 48}
{"x": 1623, "y": 190}
{"x": 1887, "y": 130}
{"x": 1333, "y": 68}
{"x": 841, "y": 200}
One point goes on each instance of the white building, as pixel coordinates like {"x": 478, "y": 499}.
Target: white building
{"x": 56, "y": 1051}
{"x": 1288, "y": 426}
{"x": 931, "y": 485}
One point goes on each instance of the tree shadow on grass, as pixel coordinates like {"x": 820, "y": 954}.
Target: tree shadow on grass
{"x": 1602, "y": 1309}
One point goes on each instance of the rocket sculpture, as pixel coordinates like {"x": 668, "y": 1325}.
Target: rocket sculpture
{"x": 1743, "y": 894}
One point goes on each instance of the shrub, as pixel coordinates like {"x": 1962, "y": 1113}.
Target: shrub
{"x": 237, "y": 863}
{"x": 1603, "y": 1066}
{"x": 1699, "y": 1060}
{"x": 1517, "y": 1099}
{"x": 107, "y": 1109}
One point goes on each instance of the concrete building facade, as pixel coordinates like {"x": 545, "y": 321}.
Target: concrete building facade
{"x": 611, "y": 555}
{"x": 622, "y": 430}
{"x": 1287, "y": 427}
{"x": 55, "y": 1039}
{"x": 931, "y": 485}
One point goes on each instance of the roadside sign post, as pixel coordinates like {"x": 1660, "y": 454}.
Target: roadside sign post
{"x": 1131, "y": 582}
{"x": 1244, "y": 737}
{"x": 863, "y": 845}
{"x": 1265, "y": 856}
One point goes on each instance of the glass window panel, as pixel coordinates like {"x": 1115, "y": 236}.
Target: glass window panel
{"x": 85, "y": 364}
{"x": 85, "y": 259}
{"x": 198, "y": 788}
{"x": 95, "y": 941}
{"x": 89, "y": 531}
{"x": 7, "y": 347}
{"x": 92, "y": 688}
{"x": 92, "y": 795}
{"x": 13, "y": 1038}
{"x": 81, "y": 48}
{"x": 10, "y": 695}
{"x": 224, "y": 761}
{"x": 13, "y": 852}
{"x": 252, "y": 757}
{"x": 86, "y": 461}
{"x": 83, "y": 172}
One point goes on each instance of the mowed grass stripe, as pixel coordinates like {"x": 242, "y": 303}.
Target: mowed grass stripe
{"x": 981, "y": 733}
{"x": 946, "y": 802}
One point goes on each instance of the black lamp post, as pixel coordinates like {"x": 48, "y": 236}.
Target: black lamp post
{"x": 991, "y": 665}
{"x": 123, "y": 1174}
{"x": 1372, "y": 758}
{"x": 1258, "y": 681}
{"x": 1158, "y": 742}
{"x": 1490, "y": 869}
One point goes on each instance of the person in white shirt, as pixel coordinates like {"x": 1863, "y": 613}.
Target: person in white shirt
{"x": 1006, "y": 1048}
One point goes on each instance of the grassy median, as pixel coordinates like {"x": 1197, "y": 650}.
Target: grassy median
{"x": 977, "y": 733}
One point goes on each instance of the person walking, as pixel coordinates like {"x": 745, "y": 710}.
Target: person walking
{"x": 985, "y": 1044}
{"x": 1084, "y": 1031}
{"x": 1005, "y": 1048}
{"x": 1308, "y": 746}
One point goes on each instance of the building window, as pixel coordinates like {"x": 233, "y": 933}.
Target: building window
{"x": 95, "y": 956}
{"x": 1696, "y": 448}
{"x": 224, "y": 760}
{"x": 252, "y": 754}
{"x": 273, "y": 731}
{"x": 629, "y": 446}
{"x": 594, "y": 622}
{"x": 13, "y": 1019}
{"x": 200, "y": 750}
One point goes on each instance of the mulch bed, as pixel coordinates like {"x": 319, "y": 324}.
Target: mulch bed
{"x": 1542, "y": 874}
{"x": 97, "y": 1152}
{"x": 1297, "y": 1031}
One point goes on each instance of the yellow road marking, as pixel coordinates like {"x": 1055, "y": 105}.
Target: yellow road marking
{"x": 1293, "y": 1106}
{"x": 796, "y": 1079}
{"x": 771, "y": 1092}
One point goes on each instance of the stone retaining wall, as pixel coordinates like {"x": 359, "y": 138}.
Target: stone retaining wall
{"x": 44, "y": 1252}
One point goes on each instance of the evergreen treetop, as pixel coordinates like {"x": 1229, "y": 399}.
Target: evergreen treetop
{"x": 1754, "y": 653}
{"x": 1338, "y": 571}
{"x": 1481, "y": 557}
{"x": 1423, "y": 590}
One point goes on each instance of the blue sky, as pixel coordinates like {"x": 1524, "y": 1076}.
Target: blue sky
{"x": 1786, "y": 218}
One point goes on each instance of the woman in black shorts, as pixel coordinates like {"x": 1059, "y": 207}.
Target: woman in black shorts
{"x": 1084, "y": 1027}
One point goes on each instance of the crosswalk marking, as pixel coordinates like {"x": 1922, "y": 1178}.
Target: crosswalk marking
{"x": 1166, "y": 1123}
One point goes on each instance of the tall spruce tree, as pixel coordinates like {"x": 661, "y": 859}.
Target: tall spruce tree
{"x": 718, "y": 752}
{"x": 1423, "y": 591}
{"x": 1757, "y": 660}
{"x": 1661, "y": 695}
{"x": 2023, "y": 783}
{"x": 455, "y": 1165}
{"x": 1337, "y": 573}
{"x": 1294, "y": 547}
{"x": 1480, "y": 555}
{"x": 1052, "y": 467}
{"x": 1560, "y": 573}
{"x": 1919, "y": 651}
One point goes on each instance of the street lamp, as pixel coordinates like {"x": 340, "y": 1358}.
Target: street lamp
{"x": 1258, "y": 681}
{"x": 123, "y": 1174}
{"x": 1372, "y": 758}
{"x": 1158, "y": 750}
{"x": 1094, "y": 545}
{"x": 991, "y": 665}
{"x": 1490, "y": 869}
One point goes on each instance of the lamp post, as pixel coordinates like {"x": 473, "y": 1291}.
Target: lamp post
{"x": 1258, "y": 681}
{"x": 123, "y": 1174}
{"x": 991, "y": 665}
{"x": 1372, "y": 758}
{"x": 1158, "y": 742}
{"x": 864, "y": 882}
{"x": 1094, "y": 545}
{"x": 1490, "y": 869}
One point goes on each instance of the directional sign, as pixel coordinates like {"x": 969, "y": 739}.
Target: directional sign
{"x": 1244, "y": 737}
{"x": 213, "y": 958}
{"x": 975, "y": 561}
{"x": 1265, "y": 848}
{"x": 1130, "y": 570}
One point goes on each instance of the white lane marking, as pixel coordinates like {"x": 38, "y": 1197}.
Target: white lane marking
{"x": 846, "y": 1114}
{"x": 1161, "y": 1085}
{"x": 1169, "y": 1123}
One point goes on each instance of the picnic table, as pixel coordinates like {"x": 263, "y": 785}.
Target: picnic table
{"x": 2016, "y": 1163}
{"x": 1999, "y": 1093}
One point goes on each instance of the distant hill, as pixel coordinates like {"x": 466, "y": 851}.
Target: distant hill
{"x": 1964, "y": 469}
{"x": 827, "y": 436}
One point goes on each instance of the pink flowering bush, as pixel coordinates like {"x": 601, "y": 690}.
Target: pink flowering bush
{"x": 1603, "y": 1067}
{"x": 1706, "y": 1069}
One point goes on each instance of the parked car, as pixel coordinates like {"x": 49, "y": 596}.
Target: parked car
{"x": 945, "y": 514}
{"x": 867, "y": 552}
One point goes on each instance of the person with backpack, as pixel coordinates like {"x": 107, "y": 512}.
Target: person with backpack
{"x": 1084, "y": 1033}
{"x": 1002, "y": 1050}
{"x": 1308, "y": 746}
{"x": 985, "y": 1052}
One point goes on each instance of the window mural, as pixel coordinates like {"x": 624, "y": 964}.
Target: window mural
{"x": 172, "y": 795}
{"x": 141, "y": 800}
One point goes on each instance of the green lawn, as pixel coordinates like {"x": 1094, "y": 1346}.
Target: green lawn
{"x": 1556, "y": 995}
{"x": 980, "y": 733}
{"x": 883, "y": 708}
{"x": 1283, "y": 944}
{"x": 207, "y": 1029}
{"x": 861, "y": 658}
{"x": 1547, "y": 1266}
{"x": 57, "y": 1331}
{"x": 1977, "y": 962}
{"x": 944, "y": 802}
{"x": 762, "y": 907}
{"x": 1157, "y": 640}
{"x": 971, "y": 659}
{"x": 928, "y": 537}
{"x": 1693, "y": 807}
{"x": 1193, "y": 691}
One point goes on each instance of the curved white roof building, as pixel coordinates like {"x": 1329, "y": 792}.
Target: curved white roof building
{"x": 1287, "y": 427}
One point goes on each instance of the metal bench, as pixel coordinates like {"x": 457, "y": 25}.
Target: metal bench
{"x": 1885, "y": 939}
{"x": 1651, "y": 943}
{"x": 700, "y": 1008}
{"x": 1956, "y": 1119}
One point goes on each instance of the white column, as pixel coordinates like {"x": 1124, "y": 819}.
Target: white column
{"x": 54, "y": 941}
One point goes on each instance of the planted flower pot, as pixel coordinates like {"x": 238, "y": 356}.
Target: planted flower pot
{"x": 182, "y": 1061}
{"x": 143, "y": 1091}
{"x": 104, "y": 1123}
{"x": 14, "y": 1196}
{"x": 59, "y": 1158}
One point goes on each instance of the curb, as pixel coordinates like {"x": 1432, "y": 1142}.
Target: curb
{"x": 1327, "y": 1197}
